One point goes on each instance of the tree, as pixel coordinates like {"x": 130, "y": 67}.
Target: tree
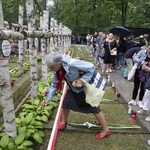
{"x": 84, "y": 16}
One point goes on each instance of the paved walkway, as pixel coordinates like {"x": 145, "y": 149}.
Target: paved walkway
{"x": 125, "y": 88}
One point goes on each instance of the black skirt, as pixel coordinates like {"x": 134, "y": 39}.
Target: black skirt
{"x": 76, "y": 102}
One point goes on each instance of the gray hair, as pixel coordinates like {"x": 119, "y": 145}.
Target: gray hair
{"x": 52, "y": 59}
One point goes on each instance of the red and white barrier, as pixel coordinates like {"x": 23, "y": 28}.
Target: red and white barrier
{"x": 53, "y": 137}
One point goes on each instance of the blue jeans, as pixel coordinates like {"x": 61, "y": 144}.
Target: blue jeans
{"x": 120, "y": 61}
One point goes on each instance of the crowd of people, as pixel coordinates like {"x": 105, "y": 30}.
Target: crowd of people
{"x": 129, "y": 51}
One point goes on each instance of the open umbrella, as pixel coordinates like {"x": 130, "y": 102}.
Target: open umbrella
{"x": 120, "y": 31}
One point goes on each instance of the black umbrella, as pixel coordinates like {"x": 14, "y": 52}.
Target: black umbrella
{"x": 120, "y": 31}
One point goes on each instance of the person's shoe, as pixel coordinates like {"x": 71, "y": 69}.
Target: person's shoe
{"x": 62, "y": 126}
{"x": 140, "y": 104}
{"x": 148, "y": 142}
{"x": 142, "y": 112}
{"x": 110, "y": 70}
{"x": 132, "y": 102}
{"x": 106, "y": 71}
{"x": 98, "y": 136}
{"x": 147, "y": 118}
{"x": 118, "y": 68}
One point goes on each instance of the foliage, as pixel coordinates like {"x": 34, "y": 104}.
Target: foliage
{"x": 89, "y": 15}
{"x": 10, "y": 10}
{"x": 26, "y": 67}
{"x": 93, "y": 15}
{"x": 30, "y": 122}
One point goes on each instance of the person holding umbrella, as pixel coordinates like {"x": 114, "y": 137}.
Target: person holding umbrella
{"x": 120, "y": 31}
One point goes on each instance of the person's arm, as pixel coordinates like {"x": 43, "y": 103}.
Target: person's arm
{"x": 51, "y": 91}
{"x": 137, "y": 58}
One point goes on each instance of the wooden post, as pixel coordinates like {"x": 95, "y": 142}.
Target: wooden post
{"x": 52, "y": 48}
{"x": 5, "y": 88}
{"x": 63, "y": 39}
{"x": 21, "y": 42}
{"x": 56, "y": 37}
{"x": 60, "y": 38}
{"x": 43, "y": 41}
{"x": 32, "y": 50}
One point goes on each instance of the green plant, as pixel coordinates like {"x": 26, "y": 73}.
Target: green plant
{"x": 30, "y": 122}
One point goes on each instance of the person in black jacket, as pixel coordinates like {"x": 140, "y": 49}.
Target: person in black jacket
{"x": 122, "y": 46}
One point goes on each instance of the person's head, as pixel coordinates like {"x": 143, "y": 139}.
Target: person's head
{"x": 110, "y": 36}
{"x": 103, "y": 36}
{"x": 53, "y": 61}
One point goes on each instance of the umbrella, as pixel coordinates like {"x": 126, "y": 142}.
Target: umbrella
{"x": 120, "y": 31}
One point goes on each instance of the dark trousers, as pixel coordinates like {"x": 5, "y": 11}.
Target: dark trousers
{"x": 138, "y": 84}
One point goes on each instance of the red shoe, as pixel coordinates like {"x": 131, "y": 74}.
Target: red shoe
{"x": 62, "y": 126}
{"x": 98, "y": 136}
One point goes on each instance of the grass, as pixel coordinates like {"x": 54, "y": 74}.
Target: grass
{"x": 13, "y": 62}
{"x": 84, "y": 140}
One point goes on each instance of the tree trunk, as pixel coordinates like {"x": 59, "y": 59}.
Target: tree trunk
{"x": 76, "y": 18}
{"x": 92, "y": 18}
{"x": 124, "y": 11}
{"x": 1, "y": 16}
{"x": 5, "y": 91}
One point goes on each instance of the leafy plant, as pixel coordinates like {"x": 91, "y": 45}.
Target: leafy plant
{"x": 30, "y": 122}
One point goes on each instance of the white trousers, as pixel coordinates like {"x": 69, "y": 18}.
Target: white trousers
{"x": 129, "y": 63}
{"x": 146, "y": 100}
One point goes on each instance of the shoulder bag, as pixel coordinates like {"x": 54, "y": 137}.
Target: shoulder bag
{"x": 113, "y": 51}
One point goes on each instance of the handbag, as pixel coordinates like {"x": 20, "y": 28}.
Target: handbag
{"x": 143, "y": 76}
{"x": 113, "y": 51}
{"x": 98, "y": 81}
{"x": 132, "y": 72}
{"x": 95, "y": 89}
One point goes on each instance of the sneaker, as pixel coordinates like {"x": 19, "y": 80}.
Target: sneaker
{"x": 147, "y": 118}
{"x": 110, "y": 70}
{"x": 140, "y": 104}
{"x": 118, "y": 68}
{"x": 132, "y": 102}
{"x": 148, "y": 142}
{"x": 106, "y": 71}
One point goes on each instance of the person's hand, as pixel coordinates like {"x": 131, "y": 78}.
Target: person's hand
{"x": 44, "y": 103}
{"x": 134, "y": 55}
{"x": 143, "y": 62}
{"x": 77, "y": 83}
{"x": 146, "y": 68}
